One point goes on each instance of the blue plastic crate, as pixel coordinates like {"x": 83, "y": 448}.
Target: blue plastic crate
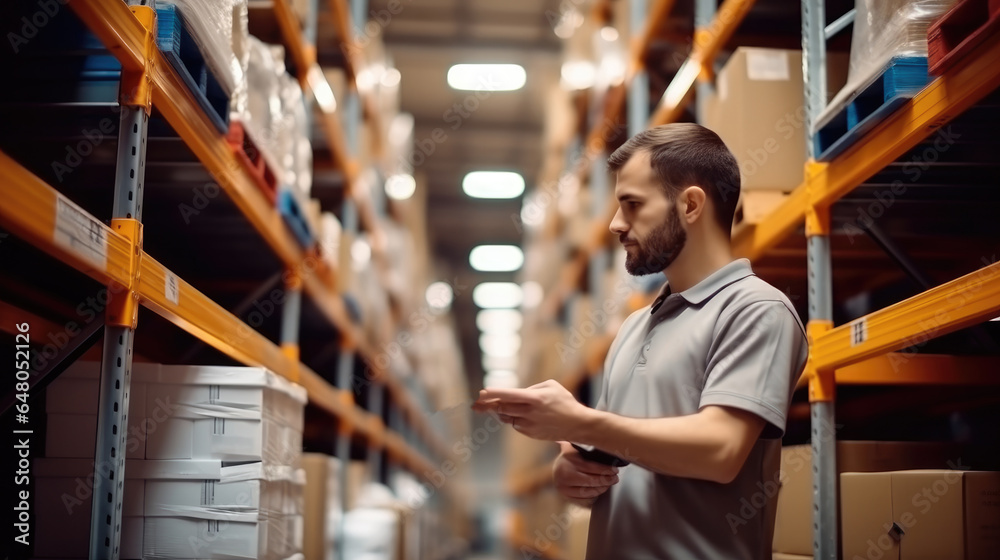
{"x": 294, "y": 217}
{"x": 902, "y": 78}
{"x": 180, "y": 50}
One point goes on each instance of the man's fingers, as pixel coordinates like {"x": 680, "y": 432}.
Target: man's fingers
{"x": 507, "y": 395}
{"x": 514, "y": 409}
{"x": 583, "y": 492}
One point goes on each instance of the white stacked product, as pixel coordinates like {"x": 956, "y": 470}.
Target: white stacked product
{"x": 65, "y": 477}
{"x": 213, "y": 472}
{"x": 275, "y": 118}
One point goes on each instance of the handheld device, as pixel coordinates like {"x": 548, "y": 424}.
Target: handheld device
{"x": 591, "y": 453}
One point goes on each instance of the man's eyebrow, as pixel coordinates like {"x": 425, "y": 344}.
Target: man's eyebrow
{"x": 628, "y": 196}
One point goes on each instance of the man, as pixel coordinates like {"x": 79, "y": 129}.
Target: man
{"x": 696, "y": 386}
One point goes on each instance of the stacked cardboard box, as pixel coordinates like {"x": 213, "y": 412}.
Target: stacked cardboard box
{"x": 793, "y": 531}
{"x": 921, "y": 514}
{"x": 212, "y": 465}
{"x": 322, "y": 506}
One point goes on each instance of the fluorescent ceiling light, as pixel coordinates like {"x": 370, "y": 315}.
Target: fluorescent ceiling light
{"x": 487, "y": 77}
{"x": 493, "y": 184}
{"x": 532, "y": 294}
{"x": 400, "y": 187}
{"x": 501, "y": 378}
{"x": 578, "y": 74}
{"x": 496, "y": 258}
{"x": 499, "y": 320}
{"x": 491, "y": 363}
{"x": 497, "y": 295}
{"x": 439, "y": 296}
{"x": 500, "y": 344}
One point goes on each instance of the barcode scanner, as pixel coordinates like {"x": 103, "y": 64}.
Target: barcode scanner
{"x": 591, "y": 453}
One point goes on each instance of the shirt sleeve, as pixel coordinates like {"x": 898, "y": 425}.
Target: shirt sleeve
{"x": 757, "y": 355}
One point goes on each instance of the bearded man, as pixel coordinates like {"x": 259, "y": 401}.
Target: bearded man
{"x": 696, "y": 386}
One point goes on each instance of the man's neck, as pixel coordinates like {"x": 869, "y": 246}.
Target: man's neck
{"x": 696, "y": 262}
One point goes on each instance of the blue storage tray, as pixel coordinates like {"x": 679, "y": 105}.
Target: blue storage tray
{"x": 902, "y": 78}
{"x": 180, "y": 50}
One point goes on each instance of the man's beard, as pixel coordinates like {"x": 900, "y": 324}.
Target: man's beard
{"x": 659, "y": 249}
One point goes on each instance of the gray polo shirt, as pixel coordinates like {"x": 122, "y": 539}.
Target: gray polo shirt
{"x": 730, "y": 340}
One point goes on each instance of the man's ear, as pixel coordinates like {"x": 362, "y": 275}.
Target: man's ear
{"x": 693, "y": 203}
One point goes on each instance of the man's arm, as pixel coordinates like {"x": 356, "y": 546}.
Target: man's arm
{"x": 711, "y": 445}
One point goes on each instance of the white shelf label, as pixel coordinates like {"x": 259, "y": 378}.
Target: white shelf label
{"x": 173, "y": 289}
{"x": 859, "y": 332}
{"x": 767, "y": 66}
{"x": 80, "y": 233}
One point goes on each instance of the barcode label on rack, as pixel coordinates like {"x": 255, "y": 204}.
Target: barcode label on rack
{"x": 80, "y": 233}
{"x": 859, "y": 332}
{"x": 173, "y": 289}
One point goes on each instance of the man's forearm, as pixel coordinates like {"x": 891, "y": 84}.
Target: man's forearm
{"x": 693, "y": 446}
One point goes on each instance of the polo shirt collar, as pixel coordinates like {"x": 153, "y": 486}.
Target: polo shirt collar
{"x": 708, "y": 287}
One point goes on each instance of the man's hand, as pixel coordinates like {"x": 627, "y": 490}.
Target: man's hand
{"x": 545, "y": 411}
{"x": 579, "y": 480}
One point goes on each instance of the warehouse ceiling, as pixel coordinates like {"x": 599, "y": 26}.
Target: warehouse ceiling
{"x": 484, "y": 130}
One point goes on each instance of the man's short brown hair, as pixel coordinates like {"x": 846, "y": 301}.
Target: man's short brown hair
{"x": 685, "y": 155}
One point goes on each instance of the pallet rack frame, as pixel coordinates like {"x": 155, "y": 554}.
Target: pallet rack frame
{"x": 147, "y": 82}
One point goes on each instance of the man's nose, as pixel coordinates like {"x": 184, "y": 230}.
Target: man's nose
{"x": 618, "y": 224}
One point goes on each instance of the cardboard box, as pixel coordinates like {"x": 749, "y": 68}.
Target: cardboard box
{"x": 793, "y": 527}
{"x": 358, "y": 474}
{"x": 760, "y": 116}
{"x": 921, "y": 515}
{"x": 576, "y": 534}
{"x": 322, "y": 509}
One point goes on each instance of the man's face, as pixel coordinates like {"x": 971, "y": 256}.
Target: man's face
{"x": 647, "y": 223}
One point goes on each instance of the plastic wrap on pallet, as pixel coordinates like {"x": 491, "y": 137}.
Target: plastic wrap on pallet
{"x": 263, "y": 109}
{"x": 211, "y": 26}
{"x": 241, "y": 50}
{"x": 293, "y": 137}
{"x": 883, "y": 30}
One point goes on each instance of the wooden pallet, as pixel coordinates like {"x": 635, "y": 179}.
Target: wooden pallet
{"x": 899, "y": 81}
{"x": 180, "y": 50}
{"x": 247, "y": 151}
{"x": 960, "y": 30}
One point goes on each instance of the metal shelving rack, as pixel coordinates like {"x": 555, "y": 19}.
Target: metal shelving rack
{"x": 838, "y": 355}
{"x": 114, "y": 256}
